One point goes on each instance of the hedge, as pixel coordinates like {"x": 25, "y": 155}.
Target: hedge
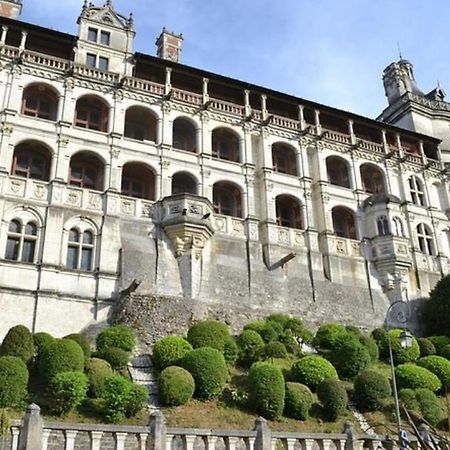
{"x": 230, "y": 350}
{"x": 437, "y": 308}
{"x": 371, "y": 388}
{"x": 350, "y": 356}
{"x": 439, "y": 342}
{"x": 445, "y": 352}
{"x": 118, "y": 336}
{"x": 18, "y": 342}
{"x": 97, "y": 370}
{"x": 427, "y": 348}
{"x": 66, "y": 391}
{"x": 63, "y": 355}
{"x": 168, "y": 351}
{"x": 266, "y": 390}
{"x": 430, "y": 406}
{"x": 275, "y": 349}
{"x": 175, "y": 386}
{"x": 208, "y": 333}
{"x": 439, "y": 366}
{"x": 117, "y": 357}
{"x": 209, "y": 370}
{"x": 416, "y": 377}
{"x": 83, "y": 342}
{"x": 299, "y": 400}
{"x": 13, "y": 381}
{"x": 312, "y": 370}
{"x": 333, "y": 396}
{"x": 327, "y": 335}
{"x": 280, "y": 318}
{"x": 250, "y": 345}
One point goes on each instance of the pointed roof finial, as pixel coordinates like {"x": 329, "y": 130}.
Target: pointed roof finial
{"x": 399, "y": 51}
{"x": 109, "y": 3}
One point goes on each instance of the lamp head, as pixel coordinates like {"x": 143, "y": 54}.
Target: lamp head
{"x": 406, "y": 339}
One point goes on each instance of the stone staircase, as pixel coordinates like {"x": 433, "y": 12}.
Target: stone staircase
{"x": 141, "y": 370}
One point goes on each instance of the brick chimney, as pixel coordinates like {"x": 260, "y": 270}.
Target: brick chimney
{"x": 10, "y": 8}
{"x": 169, "y": 45}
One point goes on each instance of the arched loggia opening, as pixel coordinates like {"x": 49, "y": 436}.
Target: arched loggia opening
{"x": 184, "y": 135}
{"x": 227, "y": 199}
{"x": 183, "y": 182}
{"x": 288, "y": 211}
{"x": 92, "y": 112}
{"x": 372, "y": 179}
{"x": 338, "y": 171}
{"x": 283, "y": 158}
{"x": 40, "y": 100}
{"x": 140, "y": 124}
{"x": 344, "y": 222}
{"x": 138, "y": 180}
{"x": 225, "y": 144}
{"x": 31, "y": 159}
{"x": 86, "y": 171}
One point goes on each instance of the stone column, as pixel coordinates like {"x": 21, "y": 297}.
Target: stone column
{"x": 3, "y": 36}
{"x": 157, "y": 432}
{"x": 70, "y": 439}
{"x": 31, "y": 434}
{"x": 263, "y": 439}
{"x": 351, "y": 437}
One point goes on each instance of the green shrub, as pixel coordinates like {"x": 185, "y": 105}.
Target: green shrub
{"x": 426, "y": 347}
{"x": 230, "y": 351}
{"x": 430, "y": 406}
{"x": 40, "y": 340}
{"x": 327, "y": 335}
{"x": 439, "y": 366}
{"x": 18, "y": 342}
{"x": 416, "y": 377}
{"x": 371, "y": 388}
{"x": 122, "y": 398}
{"x": 62, "y": 355}
{"x": 250, "y": 344}
{"x": 380, "y": 337}
{"x": 437, "y": 309}
{"x": 269, "y": 331}
{"x": 372, "y": 346}
{"x": 208, "y": 333}
{"x": 312, "y": 370}
{"x": 117, "y": 336}
{"x": 281, "y": 319}
{"x": 350, "y": 357}
{"x": 175, "y": 386}
{"x": 83, "y": 342}
{"x": 209, "y": 370}
{"x": 400, "y": 354}
{"x": 266, "y": 390}
{"x": 13, "y": 381}
{"x": 445, "y": 352}
{"x": 295, "y": 324}
{"x": 117, "y": 357}
{"x": 168, "y": 351}
{"x": 439, "y": 342}
{"x": 275, "y": 349}
{"x": 67, "y": 390}
{"x": 97, "y": 370}
{"x": 408, "y": 399}
{"x": 378, "y": 334}
{"x": 333, "y": 396}
{"x": 354, "y": 331}
{"x": 299, "y": 400}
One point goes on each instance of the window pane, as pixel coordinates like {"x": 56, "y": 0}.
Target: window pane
{"x": 86, "y": 259}
{"x": 105, "y": 38}
{"x": 14, "y": 226}
{"x": 30, "y": 229}
{"x": 28, "y": 251}
{"x": 87, "y": 237}
{"x": 92, "y": 34}
{"x": 74, "y": 235}
{"x": 72, "y": 257}
{"x": 103, "y": 63}
{"x": 90, "y": 60}
{"x": 12, "y": 248}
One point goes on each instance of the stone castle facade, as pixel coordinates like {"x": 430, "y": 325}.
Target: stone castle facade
{"x": 129, "y": 176}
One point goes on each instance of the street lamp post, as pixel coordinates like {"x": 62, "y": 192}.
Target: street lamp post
{"x": 400, "y": 311}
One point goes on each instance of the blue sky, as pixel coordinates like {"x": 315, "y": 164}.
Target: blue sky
{"x": 329, "y": 51}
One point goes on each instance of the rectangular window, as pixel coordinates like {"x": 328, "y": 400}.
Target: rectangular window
{"x": 105, "y": 37}
{"x": 28, "y": 251}
{"x": 103, "y": 63}
{"x": 92, "y": 34}
{"x": 91, "y": 60}
{"x": 72, "y": 257}
{"x": 12, "y": 248}
{"x": 86, "y": 259}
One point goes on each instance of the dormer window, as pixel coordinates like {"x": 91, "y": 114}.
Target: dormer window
{"x": 91, "y": 60}
{"x": 103, "y": 63}
{"x": 100, "y": 62}
{"x": 105, "y": 38}
{"x": 94, "y": 34}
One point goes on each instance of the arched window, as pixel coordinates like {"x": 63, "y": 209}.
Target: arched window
{"x": 80, "y": 250}
{"x": 344, "y": 223}
{"x": 338, "y": 172}
{"x": 227, "y": 199}
{"x": 184, "y": 135}
{"x": 283, "y": 158}
{"x": 425, "y": 239}
{"x": 398, "y": 227}
{"x": 225, "y": 144}
{"x": 86, "y": 171}
{"x": 21, "y": 241}
{"x": 288, "y": 212}
{"x": 93, "y": 113}
{"x": 383, "y": 226}
{"x": 182, "y": 182}
{"x": 416, "y": 190}
{"x": 138, "y": 180}
{"x": 31, "y": 160}
{"x": 372, "y": 179}
{"x": 40, "y": 101}
{"x": 140, "y": 124}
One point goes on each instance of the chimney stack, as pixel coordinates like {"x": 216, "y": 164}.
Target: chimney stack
{"x": 10, "y": 8}
{"x": 169, "y": 45}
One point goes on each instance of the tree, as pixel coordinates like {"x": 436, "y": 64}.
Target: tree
{"x": 437, "y": 308}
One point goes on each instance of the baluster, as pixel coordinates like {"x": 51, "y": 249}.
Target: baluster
{"x": 324, "y": 444}
{"x": 291, "y": 443}
{"x": 45, "y": 436}
{"x": 250, "y": 443}
{"x": 15, "y": 431}
{"x": 70, "y": 439}
{"x": 120, "y": 440}
{"x": 307, "y": 444}
{"x": 373, "y": 444}
{"x": 189, "y": 442}
{"x": 142, "y": 438}
{"x": 231, "y": 442}
{"x": 96, "y": 436}
{"x": 340, "y": 444}
{"x": 211, "y": 443}
{"x": 169, "y": 438}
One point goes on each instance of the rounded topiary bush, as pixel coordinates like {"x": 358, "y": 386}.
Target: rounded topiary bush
{"x": 168, "y": 351}
{"x": 41, "y": 339}
{"x": 13, "y": 381}
{"x": 426, "y": 347}
{"x": 312, "y": 370}
{"x": 97, "y": 370}
{"x": 372, "y": 346}
{"x": 380, "y": 337}
{"x": 275, "y": 349}
{"x": 209, "y": 370}
{"x": 83, "y": 342}
{"x": 328, "y": 334}
{"x": 416, "y": 377}
{"x": 299, "y": 400}
{"x": 208, "y": 333}
{"x": 439, "y": 342}
{"x": 230, "y": 350}
{"x": 67, "y": 390}
{"x": 269, "y": 331}
{"x": 400, "y": 354}
{"x": 445, "y": 352}
{"x": 62, "y": 355}
{"x": 408, "y": 399}
{"x": 250, "y": 345}
{"x": 117, "y": 357}
{"x": 333, "y": 396}
{"x": 175, "y": 386}
{"x": 266, "y": 390}
{"x": 439, "y": 366}
{"x": 280, "y": 318}
{"x": 430, "y": 406}
{"x": 118, "y": 336}
{"x": 350, "y": 357}
{"x": 18, "y": 342}
{"x": 371, "y": 388}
